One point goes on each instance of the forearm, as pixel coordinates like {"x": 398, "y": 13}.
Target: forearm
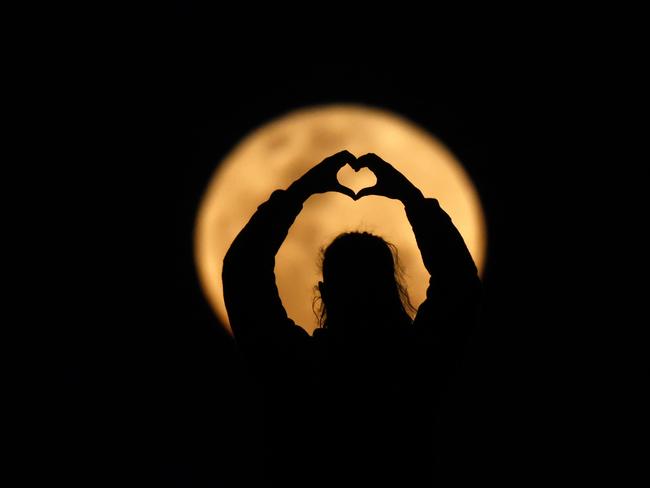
{"x": 298, "y": 192}
{"x": 412, "y": 197}
{"x": 262, "y": 236}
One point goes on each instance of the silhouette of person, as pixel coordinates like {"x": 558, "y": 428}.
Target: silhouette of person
{"x": 356, "y": 402}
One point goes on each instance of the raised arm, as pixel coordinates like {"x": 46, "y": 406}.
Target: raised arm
{"x": 257, "y": 317}
{"x": 453, "y": 294}
{"x": 452, "y": 299}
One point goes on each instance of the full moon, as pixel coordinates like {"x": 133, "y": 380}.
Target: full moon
{"x": 277, "y": 153}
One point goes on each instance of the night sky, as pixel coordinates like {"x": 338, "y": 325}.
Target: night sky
{"x": 154, "y": 392}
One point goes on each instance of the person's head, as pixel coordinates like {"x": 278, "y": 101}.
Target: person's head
{"x": 362, "y": 283}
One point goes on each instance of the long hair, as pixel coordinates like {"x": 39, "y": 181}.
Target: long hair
{"x": 362, "y": 272}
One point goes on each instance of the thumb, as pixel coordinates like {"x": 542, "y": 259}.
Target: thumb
{"x": 341, "y": 158}
{"x": 345, "y": 190}
{"x": 371, "y": 190}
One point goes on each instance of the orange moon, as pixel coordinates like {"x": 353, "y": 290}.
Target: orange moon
{"x": 277, "y": 153}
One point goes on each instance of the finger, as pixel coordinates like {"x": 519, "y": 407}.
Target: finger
{"x": 341, "y": 158}
{"x": 356, "y": 164}
{"x": 345, "y": 190}
{"x": 370, "y": 161}
{"x": 372, "y": 158}
{"x": 371, "y": 190}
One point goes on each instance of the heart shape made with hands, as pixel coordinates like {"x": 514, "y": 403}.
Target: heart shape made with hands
{"x": 356, "y": 179}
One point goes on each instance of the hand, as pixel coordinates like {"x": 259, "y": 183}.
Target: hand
{"x": 322, "y": 177}
{"x": 390, "y": 182}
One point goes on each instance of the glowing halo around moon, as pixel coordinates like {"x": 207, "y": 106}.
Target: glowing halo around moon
{"x": 279, "y": 152}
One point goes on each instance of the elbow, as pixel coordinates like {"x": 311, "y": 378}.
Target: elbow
{"x": 236, "y": 266}
{"x": 230, "y": 266}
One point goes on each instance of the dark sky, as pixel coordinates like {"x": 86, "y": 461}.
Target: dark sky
{"x": 153, "y": 386}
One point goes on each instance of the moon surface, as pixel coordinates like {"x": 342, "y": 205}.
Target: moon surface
{"x": 277, "y": 153}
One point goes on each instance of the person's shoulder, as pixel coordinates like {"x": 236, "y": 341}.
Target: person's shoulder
{"x": 320, "y": 334}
